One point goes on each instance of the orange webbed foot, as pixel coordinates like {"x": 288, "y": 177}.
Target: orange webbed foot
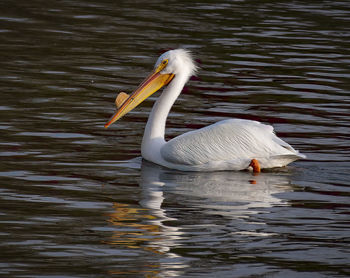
{"x": 254, "y": 163}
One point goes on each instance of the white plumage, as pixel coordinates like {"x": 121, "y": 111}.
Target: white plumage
{"x": 233, "y": 142}
{"x": 226, "y": 145}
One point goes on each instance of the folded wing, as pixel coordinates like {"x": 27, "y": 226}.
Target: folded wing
{"x": 227, "y": 140}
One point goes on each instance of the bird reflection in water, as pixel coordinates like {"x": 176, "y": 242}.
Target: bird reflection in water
{"x": 226, "y": 192}
{"x": 155, "y": 228}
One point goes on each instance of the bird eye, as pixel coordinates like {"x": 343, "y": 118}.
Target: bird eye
{"x": 162, "y": 65}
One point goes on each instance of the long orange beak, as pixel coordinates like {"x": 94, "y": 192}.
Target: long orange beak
{"x": 149, "y": 86}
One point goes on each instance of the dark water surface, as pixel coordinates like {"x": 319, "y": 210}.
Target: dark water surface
{"x": 77, "y": 200}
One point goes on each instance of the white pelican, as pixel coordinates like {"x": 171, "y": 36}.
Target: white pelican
{"x": 233, "y": 144}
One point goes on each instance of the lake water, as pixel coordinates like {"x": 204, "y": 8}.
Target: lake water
{"x": 78, "y": 201}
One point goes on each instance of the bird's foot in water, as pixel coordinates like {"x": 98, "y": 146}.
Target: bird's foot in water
{"x": 254, "y": 163}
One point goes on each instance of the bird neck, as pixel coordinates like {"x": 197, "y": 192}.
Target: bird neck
{"x": 153, "y": 137}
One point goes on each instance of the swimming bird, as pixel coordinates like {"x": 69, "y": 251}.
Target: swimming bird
{"x": 233, "y": 144}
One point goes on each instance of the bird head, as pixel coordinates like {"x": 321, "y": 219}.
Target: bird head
{"x": 168, "y": 65}
{"x": 176, "y": 61}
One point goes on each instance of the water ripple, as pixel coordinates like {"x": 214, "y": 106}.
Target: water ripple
{"x": 77, "y": 200}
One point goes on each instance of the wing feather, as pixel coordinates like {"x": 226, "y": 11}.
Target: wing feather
{"x": 225, "y": 141}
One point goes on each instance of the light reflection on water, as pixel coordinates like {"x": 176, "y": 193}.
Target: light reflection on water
{"x": 76, "y": 200}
